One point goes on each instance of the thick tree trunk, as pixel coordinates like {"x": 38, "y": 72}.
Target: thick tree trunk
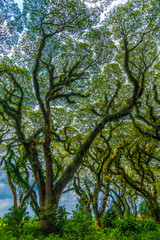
{"x": 156, "y": 214}
{"x": 49, "y": 198}
{"x": 32, "y": 155}
{"x": 155, "y": 211}
{"x": 47, "y": 217}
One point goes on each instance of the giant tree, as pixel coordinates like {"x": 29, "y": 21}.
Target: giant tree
{"x": 53, "y": 70}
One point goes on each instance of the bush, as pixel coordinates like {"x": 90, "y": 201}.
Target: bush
{"x": 147, "y": 225}
{"x": 131, "y": 226}
{"x": 144, "y": 209}
{"x": 108, "y": 218}
{"x": 31, "y": 227}
{"x": 14, "y": 220}
{"x": 60, "y": 220}
{"x": 79, "y": 225}
{"x": 126, "y": 226}
{"x": 54, "y": 219}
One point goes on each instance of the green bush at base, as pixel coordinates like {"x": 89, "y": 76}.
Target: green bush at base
{"x": 80, "y": 226}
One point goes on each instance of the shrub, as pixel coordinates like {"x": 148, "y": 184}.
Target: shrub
{"x": 108, "y": 218}
{"x": 79, "y": 225}
{"x": 131, "y": 226}
{"x": 54, "y": 219}
{"x": 14, "y": 220}
{"x": 31, "y": 227}
{"x": 147, "y": 224}
{"x": 60, "y": 220}
{"x": 126, "y": 226}
{"x": 144, "y": 209}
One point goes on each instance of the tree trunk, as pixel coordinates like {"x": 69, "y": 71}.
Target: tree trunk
{"x": 13, "y": 189}
{"x": 48, "y": 214}
{"x": 88, "y": 209}
{"x": 97, "y": 215}
{"x": 97, "y": 221}
{"x": 49, "y": 198}
{"x": 155, "y": 211}
{"x": 32, "y": 156}
{"x": 156, "y": 214}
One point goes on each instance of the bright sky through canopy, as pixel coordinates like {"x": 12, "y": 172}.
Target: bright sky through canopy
{"x": 20, "y": 3}
{"x": 5, "y": 192}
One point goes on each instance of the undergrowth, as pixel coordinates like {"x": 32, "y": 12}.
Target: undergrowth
{"x": 19, "y": 226}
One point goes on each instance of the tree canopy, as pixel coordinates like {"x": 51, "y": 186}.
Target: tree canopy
{"x": 76, "y": 89}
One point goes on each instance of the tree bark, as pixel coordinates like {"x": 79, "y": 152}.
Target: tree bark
{"x": 49, "y": 171}
{"x": 155, "y": 210}
{"x": 32, "y": 155}
{"x": 97, "y": 221}
{"x": 13, "y": 189}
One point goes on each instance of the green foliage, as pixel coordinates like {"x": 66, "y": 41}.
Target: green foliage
{"x": 108, "y": 219}
{"x": 130, "y": 226}
{"x": 60, "y": 220}
{"x": 11, "y": 23}
{"x": 84, "y": 78}
{"x": 144, "y": 208}
{"x": 14, "y": 220}
{"x": 79, "y": 225}
{"x": 55, "y": 218}
{"x": 31, "y": 228}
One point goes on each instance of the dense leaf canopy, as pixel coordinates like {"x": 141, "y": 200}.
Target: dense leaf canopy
{"x": 79, "y": 100}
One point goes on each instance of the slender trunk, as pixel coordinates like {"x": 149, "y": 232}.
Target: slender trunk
{"x": 96, "y": 212}
{"x": 97, "y": 219}
{"x": 27, "y": 195}
{"x": 120, "y": 210}
{"x": 88, "y": 209}
{"x": 13, "y": 189}
{"x": 135, "y": 209}
{"x": 97, "y": 222}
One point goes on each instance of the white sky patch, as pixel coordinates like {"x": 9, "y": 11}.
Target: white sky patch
{"x": 6, "y": 203}
{"x": 20, "y": 3}
{"x": 5, "y": 191}
{"x": 115, "y": 3}
{"x": 69, "y": 201}
{"x": 36, "y": 108}
{"x": 1, "y": 185}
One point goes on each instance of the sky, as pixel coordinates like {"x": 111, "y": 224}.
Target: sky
{"x": 6, "y": 199}
{"x": 20, "y": 3}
